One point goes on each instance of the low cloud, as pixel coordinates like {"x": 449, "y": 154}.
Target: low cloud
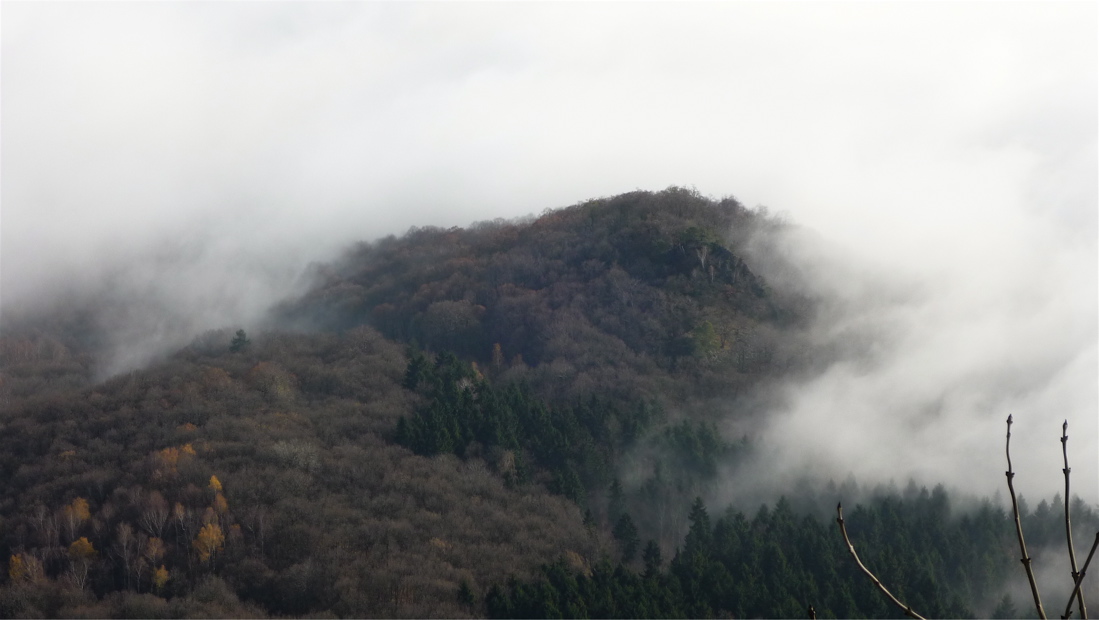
{"x": 923, "y": 354}
{"x": 183, "y": 163}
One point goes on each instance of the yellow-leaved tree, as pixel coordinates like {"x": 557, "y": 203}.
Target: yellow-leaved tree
{"x": 81, "y": 553}
{"x": 154, "y": 550}
{"x": 17, "y": 569}
{"x": 209, "y": 541}
{"x": 160, "y": 577}
{"x": 75, "y": 515}
{"x": 166, "y": 462}
{"x": 24, "y": 568}
{"x": 152, "y": 553}
{"x": 220, "y": 505}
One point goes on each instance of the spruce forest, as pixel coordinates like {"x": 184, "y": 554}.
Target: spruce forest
{"x": 534, "y": 418}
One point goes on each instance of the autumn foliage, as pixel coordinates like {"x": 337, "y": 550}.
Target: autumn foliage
{"x": 440, "y": 427}
{"x": 209, "y": 541}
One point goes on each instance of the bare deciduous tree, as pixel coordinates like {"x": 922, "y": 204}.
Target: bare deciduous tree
{"x": 1019, "y": 526}
{"x": 851, "y": 548}
{"x": 1077, "y": 576}
{"x": 1068, "y": 527}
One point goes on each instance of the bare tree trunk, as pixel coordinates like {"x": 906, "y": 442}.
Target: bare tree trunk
{"x": 1068, "y": 526}
{"x": 1019, "y": 527}
{"x": 1080, "y": 577}
{"x": 843, "y": 530}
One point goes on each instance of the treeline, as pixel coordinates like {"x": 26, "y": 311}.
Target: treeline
{"x": 573, "y": 448}
{"x": 574, "y": 444}
{"x": 777, "y": 564}
{"x": 945, "y": 563}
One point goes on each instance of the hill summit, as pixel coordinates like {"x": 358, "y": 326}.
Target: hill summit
{"x": 606, "y": 295}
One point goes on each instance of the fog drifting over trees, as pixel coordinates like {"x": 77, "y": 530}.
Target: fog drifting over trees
{"x": 181, "y": 164}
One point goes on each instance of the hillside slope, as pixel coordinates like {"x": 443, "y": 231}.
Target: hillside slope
{"x": 516, "y": 419}
{"x": 270, "y": 480}
{"x": 304, "y": 503}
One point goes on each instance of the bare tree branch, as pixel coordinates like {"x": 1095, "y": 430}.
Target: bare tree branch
{"x": 843, "y": 530}
{"x": 1080, "y": 577}
{"x": 1068, "y": 526}
{"x": 1019, "y": 527}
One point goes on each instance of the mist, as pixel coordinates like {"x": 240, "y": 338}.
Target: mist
{"x": 179, "y": 166}
{"x": 919, "y": 364}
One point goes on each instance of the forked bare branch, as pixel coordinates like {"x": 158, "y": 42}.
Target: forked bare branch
{"x": 1080, "y": 578}
{"x": 1068, "y": 528}
{"x": 1019, "y": 527}
{"x": 843, "y": 530}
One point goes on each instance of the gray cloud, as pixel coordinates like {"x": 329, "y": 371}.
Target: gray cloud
{"x": 930, "y": 359}
{"x": 944, "y": 153}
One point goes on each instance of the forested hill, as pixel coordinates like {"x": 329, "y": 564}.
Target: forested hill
{"x": 515, "y": 419}
{"x": 643, "y": 293}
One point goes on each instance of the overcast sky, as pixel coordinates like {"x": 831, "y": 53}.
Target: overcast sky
{"x": 943, "y": 155}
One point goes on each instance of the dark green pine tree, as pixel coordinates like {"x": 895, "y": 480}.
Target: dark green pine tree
{"x": 465, "y": 594}
{"x": 615, "y": 501}
{"x": 625, "y": 532}
{"x": 652, "y": 559}
{"x": 417, "y": 372}
{"x": 240, "y": 342}
{"x": 700, "y": 535}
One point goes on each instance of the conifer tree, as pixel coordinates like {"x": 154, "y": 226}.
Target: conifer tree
{"x": 625, "y": 532}
{"x": 240, "y": 342}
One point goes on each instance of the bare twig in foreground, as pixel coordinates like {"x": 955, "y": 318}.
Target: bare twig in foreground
{"x": 1080, "y": 577}
{"x": 1019, "y": 528}
{"x": 1068, "y": 527}
{"x": 843, "y": 530}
